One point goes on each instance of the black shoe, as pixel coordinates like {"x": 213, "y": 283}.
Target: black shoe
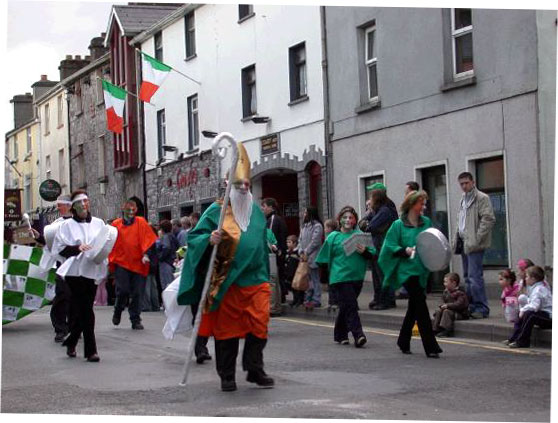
{"x": 445, "y": 334}
{"x": 433, "y": 355}
{"x": 406, "y": 351}
{"x": 116, "y": 318}
{"x": 381, "y": 307}
{"x": 260, "y": 378}
{"x": 94, "y": 358}
{"x": 137, "y": 326}
{"x": 359, "y": 343}
{"x": 59, "y": 337}
{"x": 71, "y": 351}
{"x": 228, "y": 385}
{"x": 372, "y": 304}
{"x": 202, "y": 357}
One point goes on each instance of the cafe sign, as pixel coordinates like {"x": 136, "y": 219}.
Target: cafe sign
{"x": 12, "y": 205}
{"x": 50, "y": 190}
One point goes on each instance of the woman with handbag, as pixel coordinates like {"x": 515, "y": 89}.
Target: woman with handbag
{"x": 346, "y": 272}
{"x": 402, "y": 267}
{"x": 311, "y": 239}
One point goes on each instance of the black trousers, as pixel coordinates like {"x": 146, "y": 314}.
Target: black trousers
{"x": 129, "y": 291}
{"x": 385, "y": 296}
{"x": 82, "y": 317}
{"x": 226, "y": 351}
{"x": 60, "y": 309}
{"x": 417, "y": 311}
{"x": 348, "y": 319}
{"x": 200, "y": 346}
{"x": 523, "y": 328}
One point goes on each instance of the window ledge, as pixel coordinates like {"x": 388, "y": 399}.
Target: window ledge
{"x": 465, "y": 82}
{"x": 79, "y": 113}
{"x": 102, "y": 179}
{"x": 193, "y": 56}
{"x": 100, "y": 103}
{"x": 371, "y": 105}
{"x": 248, "y": 118}
{"x": 29, "y": 154}
{"x": 245, "y": 18}
{"x": 299, "y": 100}
{"x": 60, "y": 126}
{"x": 193, "y": 151}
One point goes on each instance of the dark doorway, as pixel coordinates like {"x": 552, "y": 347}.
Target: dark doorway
{"x": 186, "y": 210}
{"x": 314, "y": 177}
{"x": 435, "y": 184}
{"x": 284, "y": 188}
{"x": 165, "y": 215}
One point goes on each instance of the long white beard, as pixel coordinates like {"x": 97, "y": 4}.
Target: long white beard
{"x": 242, "y": 208}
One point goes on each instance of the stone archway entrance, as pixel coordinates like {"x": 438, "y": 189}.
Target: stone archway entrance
{"x": 283, "y": 186}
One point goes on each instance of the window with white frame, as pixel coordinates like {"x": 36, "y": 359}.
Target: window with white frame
{"x": 462, "y": 42}
{"x": 193, "y": 123}
{"x": 47, "y": 119}
{"x": 249, "y": 103}
{"x": 101, "y": 157}
{"x": 29, "y": 140}
{"x": 190, "y": 30}
{"x": 60, "y": 110}
{"x": 79, "y": 100}
{"x": 99, "y": 86}
{"x": 371, "y": 62}
{"x": 161, "y": 133}
{"x": 14, "y": 149}
{"x": 28, "y": 193}
{"x": 47, "y": 166}
{"x": 158, "y": 39}
{"x": 61, "y": 167}
{"x": 297, "y": 71}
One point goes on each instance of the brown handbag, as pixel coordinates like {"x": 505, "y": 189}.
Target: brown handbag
{"x": 301, "y": 278}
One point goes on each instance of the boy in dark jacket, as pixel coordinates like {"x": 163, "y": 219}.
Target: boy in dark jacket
{"x": 291, "y": 263}
{"x": 455, "y": 305}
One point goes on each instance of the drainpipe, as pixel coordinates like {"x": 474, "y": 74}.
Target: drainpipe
{"x": 69, "y": 143}
{"x": 141, "y": 133}
{"x": 327, "y": 123}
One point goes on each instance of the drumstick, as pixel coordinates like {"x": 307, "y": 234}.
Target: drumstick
{"x": 26, "y": 219}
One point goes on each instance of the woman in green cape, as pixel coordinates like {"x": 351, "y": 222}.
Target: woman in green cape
{"x": 402, "y": 267}
{"x": 347, "y": 274}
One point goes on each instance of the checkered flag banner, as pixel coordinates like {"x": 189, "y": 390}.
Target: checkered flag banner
{"x": 29, "y": 281}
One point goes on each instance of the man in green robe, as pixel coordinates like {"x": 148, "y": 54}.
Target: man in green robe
{"x": 237, "y": 303}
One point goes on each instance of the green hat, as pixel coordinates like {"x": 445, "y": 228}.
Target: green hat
{"x": 377, "y": 185}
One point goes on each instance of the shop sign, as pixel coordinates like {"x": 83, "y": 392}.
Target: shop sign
{"x": 12, "y": 205}
{"x": 50, "y": 190}
{"x": 270, "y": 144}
{"x": 184, "y": 180}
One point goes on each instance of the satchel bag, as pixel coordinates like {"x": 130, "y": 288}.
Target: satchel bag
{"x": 301, "y": 278}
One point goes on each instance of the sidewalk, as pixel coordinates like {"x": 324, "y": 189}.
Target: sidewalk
{"x": 494, "y": 328}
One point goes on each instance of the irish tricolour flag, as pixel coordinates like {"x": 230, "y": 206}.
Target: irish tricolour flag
{"x": 154, "y": 73}
{"x": 114, "y": 103}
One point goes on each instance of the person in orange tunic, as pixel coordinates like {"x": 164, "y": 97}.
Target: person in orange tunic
{"x": 130, "y": 263}
{"x": 237, "y": 303}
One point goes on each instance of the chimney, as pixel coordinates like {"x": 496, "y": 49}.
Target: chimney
{"x": 70, "y": 65}
{"x": 23, "y": 109}
{"x": 42, "y": 86}
{"x": 97, "y": 47}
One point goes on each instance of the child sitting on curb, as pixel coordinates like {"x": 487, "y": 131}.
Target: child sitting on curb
{"x": 510, "y": 292}
{"x": 537, "y": 310}
{"x": 455, "y": 305}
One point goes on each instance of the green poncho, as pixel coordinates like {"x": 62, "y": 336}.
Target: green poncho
{"x": 342, "y": 268}
{"x": 398, "y": 269}
{"x": 250, "y": 264}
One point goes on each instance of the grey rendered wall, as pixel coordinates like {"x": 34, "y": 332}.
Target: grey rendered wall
{"x": 410, "y": 51}
{"x": 453, "y": 138}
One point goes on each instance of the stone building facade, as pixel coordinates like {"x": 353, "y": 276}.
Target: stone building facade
{"x": 181, "y": 187}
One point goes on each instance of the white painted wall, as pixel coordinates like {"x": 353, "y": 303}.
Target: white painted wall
{"x": 223, "y": 48}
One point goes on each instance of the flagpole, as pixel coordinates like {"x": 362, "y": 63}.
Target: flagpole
{"x": 128, "y": 92}
{"x": 177, "y": 71}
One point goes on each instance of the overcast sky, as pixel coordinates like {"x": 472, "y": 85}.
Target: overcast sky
{"x": 40, "y": 34}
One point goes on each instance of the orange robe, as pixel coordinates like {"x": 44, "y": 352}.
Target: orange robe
{"x": 132, "y": 243}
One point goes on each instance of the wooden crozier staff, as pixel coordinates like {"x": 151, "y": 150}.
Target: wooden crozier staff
{"x": 220, "y": 153}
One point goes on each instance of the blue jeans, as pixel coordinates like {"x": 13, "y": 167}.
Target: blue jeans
{"x": 314, "y": 292}
{"x": 472, "y": 273}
